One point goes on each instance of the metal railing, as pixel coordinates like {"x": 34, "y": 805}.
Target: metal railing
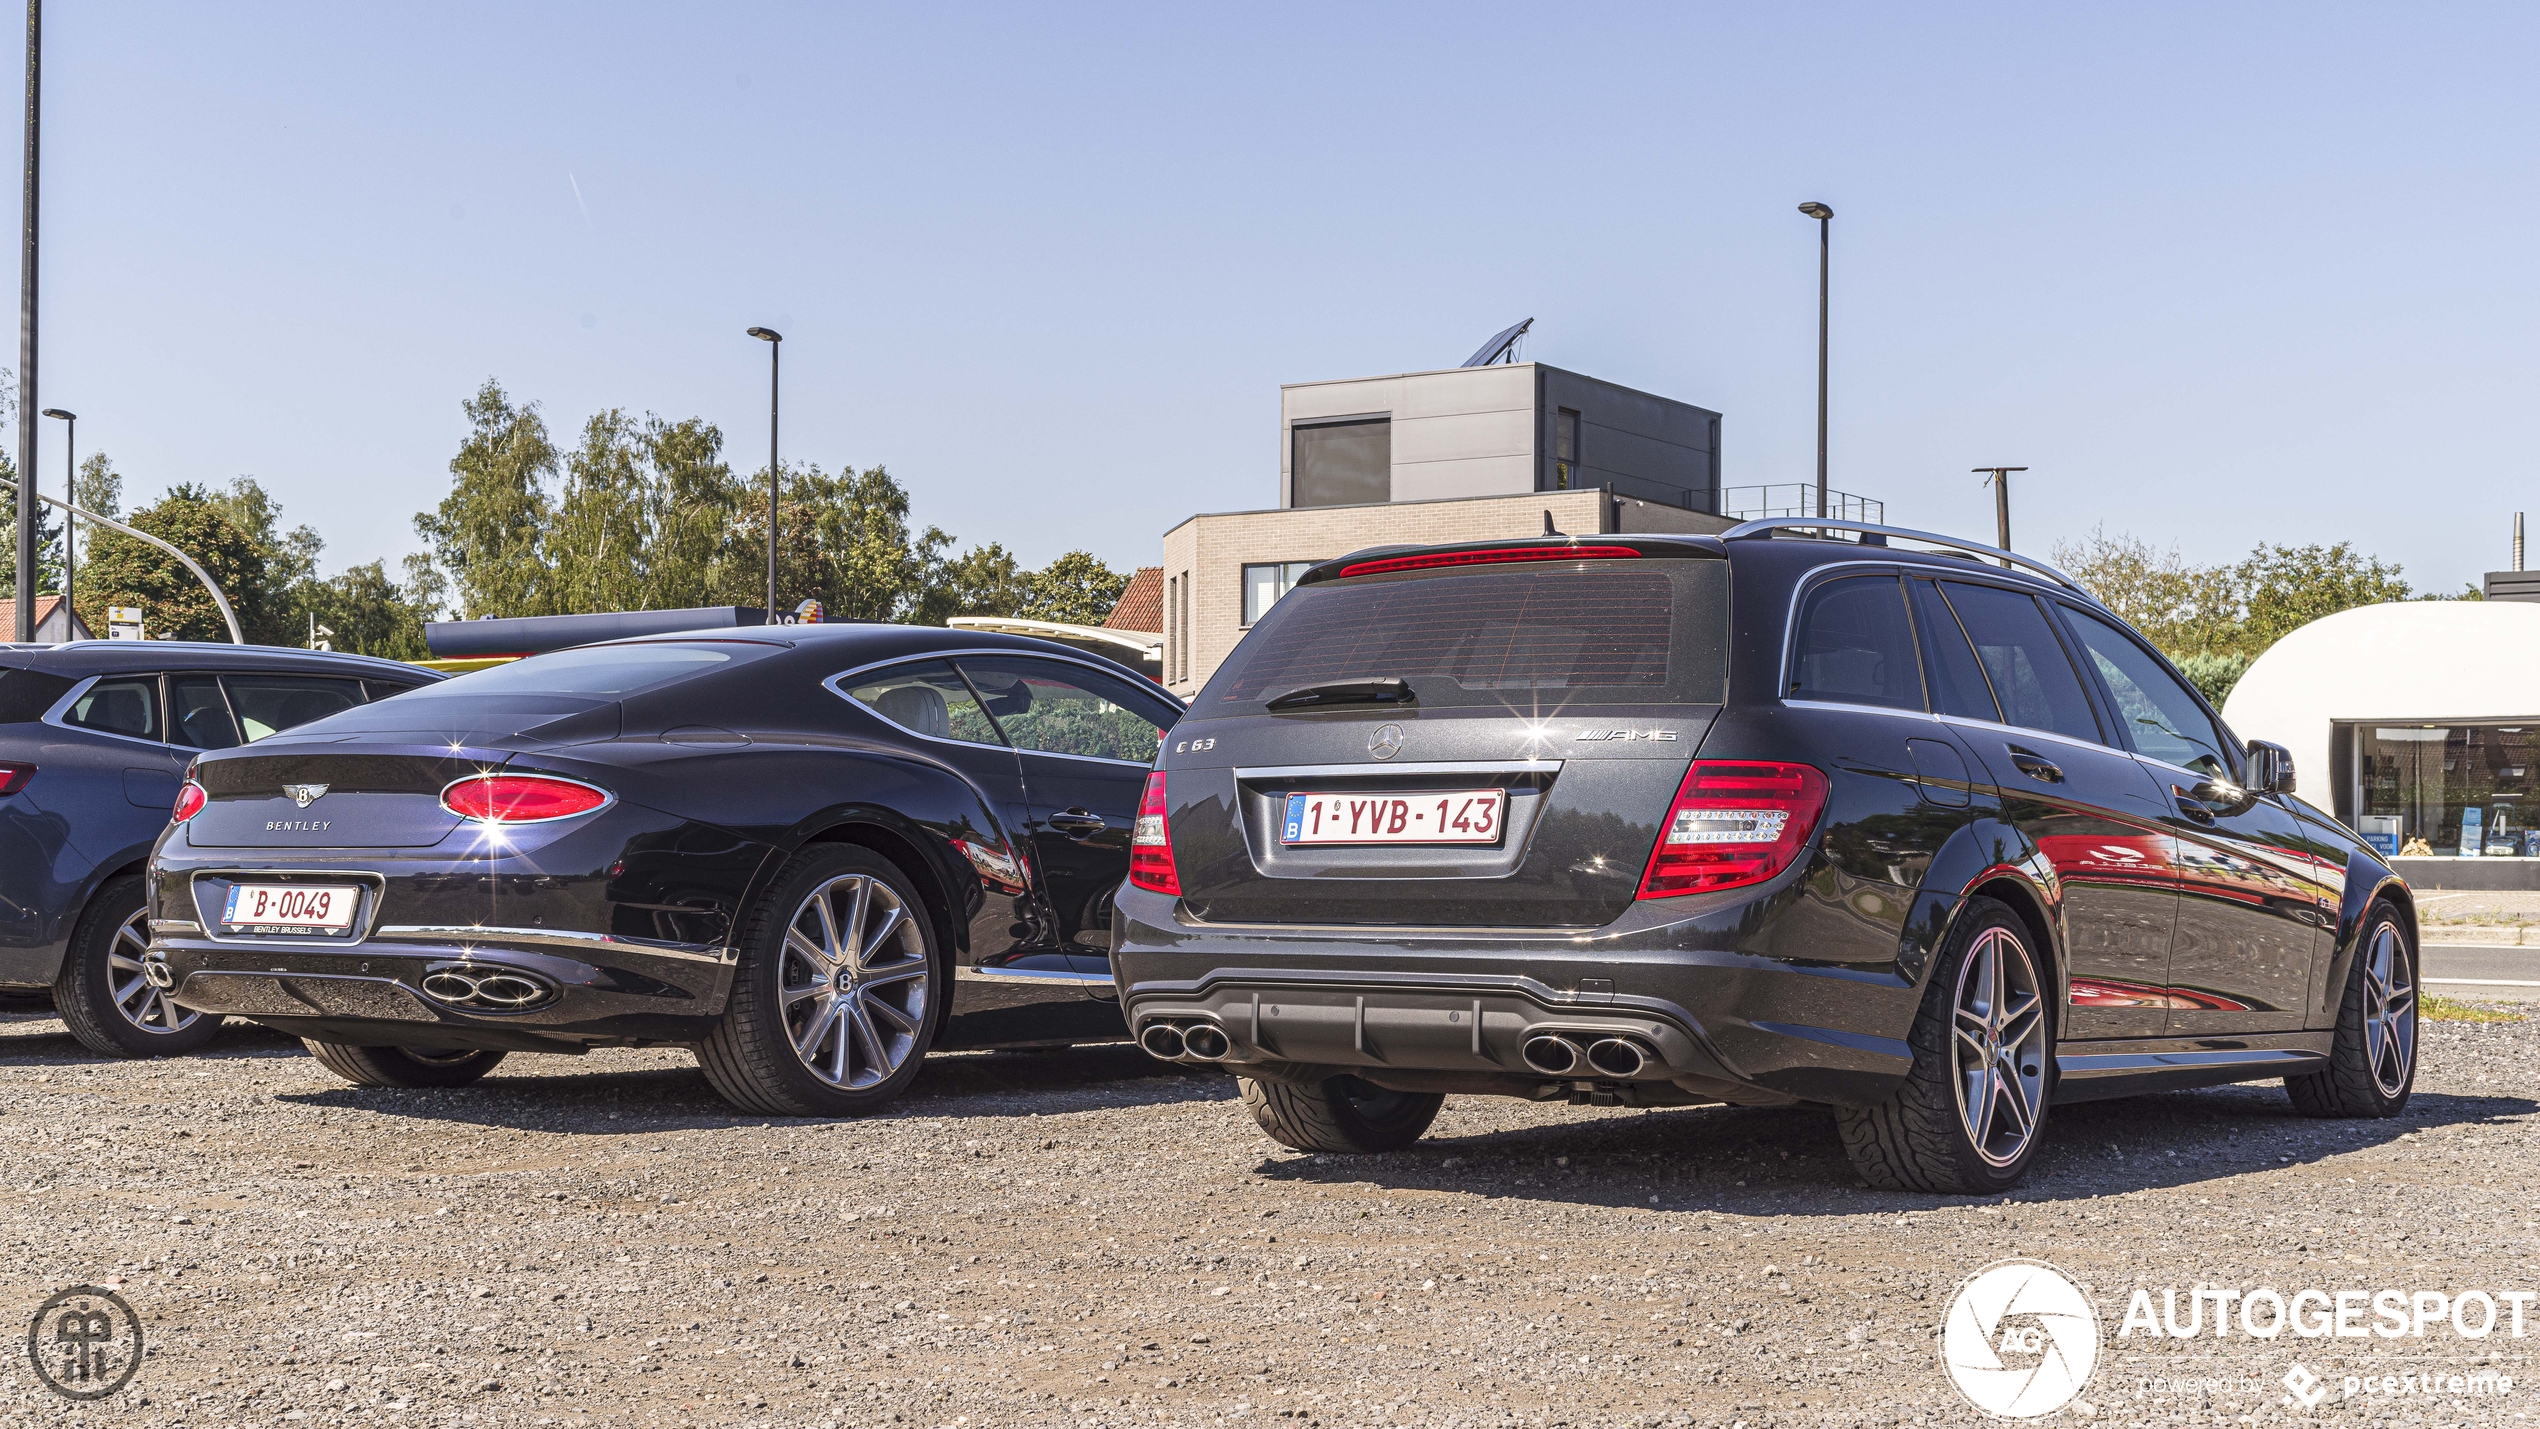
{"x": 1787, "y": 499}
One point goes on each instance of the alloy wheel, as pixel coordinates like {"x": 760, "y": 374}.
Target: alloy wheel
{"x": 140, "y": 1002}
{"x": 853, "y": 981}
{"x": 1999, "y": 1039}
{"x": 2390, "y": 1010}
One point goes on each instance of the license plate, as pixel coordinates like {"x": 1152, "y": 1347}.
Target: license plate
{"x": 297, "y": 908}
{"x": 1465, "y": 816}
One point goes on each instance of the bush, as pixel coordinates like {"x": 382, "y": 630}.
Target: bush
{"x": 2214, "y": 675}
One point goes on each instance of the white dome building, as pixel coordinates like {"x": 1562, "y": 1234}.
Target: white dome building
{"x": 2415, "y": 722}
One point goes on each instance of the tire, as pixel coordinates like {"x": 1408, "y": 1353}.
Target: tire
{"x": 100, "y": 993}
{"x": 821, "y": 1023}
{"x": 1340, "y": 1114}
{"x": 404, "y": 1066}
{"x": 2372, "y": 1061}
{"x": 1984, "y": 1037}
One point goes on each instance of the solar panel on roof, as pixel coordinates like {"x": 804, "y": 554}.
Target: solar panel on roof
{"x": 1498, "y": 346}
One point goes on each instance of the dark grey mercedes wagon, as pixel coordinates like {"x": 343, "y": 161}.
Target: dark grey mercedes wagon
{"x": 1845, "y": 815}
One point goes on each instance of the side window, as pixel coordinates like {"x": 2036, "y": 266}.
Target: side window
{"x": 1957, "y": 682}
{"x": 270, "y": 704}
{"x": 2032, "y": 677}
{"x": 1067, "y": 709}
{"x": 125, "y": 706}
{"x": 377, "y": 690}
{"x": 926, "y": 698}
{"x": 197, "y": 713}
{"x": 1855, "y": 646}
{"x": 2161, "y": 717}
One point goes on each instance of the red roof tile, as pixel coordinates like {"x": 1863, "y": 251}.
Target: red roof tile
{"x": 1141, "y": 604}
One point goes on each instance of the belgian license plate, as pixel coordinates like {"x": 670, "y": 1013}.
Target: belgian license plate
{"x": 1465, "y": 816}
{"x": 293, "y": 908}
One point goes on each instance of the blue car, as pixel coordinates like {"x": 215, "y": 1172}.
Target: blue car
{"x": 94, "y": 740}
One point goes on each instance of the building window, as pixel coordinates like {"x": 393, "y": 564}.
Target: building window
{"x": 2448, "y": 790}
{"x": 1173, "y": 636}
{"x": 1263, "y": 585}
{"x": 1186, "y": 625}
{"x": 1565, "y": 449}
{"x": 1343, "y": 463}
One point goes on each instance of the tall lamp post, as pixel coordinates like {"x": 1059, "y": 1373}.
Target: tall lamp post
{"x": 1825, "y": 253}
{"x": 70, "y": 492}
{"x": 2000, "y": 478}
{"x": 775, "y": 346}
{"x": 26, "y": 328}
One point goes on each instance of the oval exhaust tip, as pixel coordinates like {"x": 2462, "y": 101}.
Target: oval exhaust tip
{"x": 1206, "y": 1043}
{"x": 1162, "y": 1040}
{"x": 1553, "y": 1055}
{"x": 1617, "y": 1058}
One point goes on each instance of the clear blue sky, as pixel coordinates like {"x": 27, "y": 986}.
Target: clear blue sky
{"x": 2215, "y": 274}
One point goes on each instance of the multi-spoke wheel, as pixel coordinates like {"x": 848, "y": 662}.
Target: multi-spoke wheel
{"x": 103, "y": 994}
{"x": 2372, "y": 1059}
{"x": 854, "y": 981}
{"x": 835, "y": 1000}
{"x": 1968, "y": 1115}
{"x": 2001, "y": 1047}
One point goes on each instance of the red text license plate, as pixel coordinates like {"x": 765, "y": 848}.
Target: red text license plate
{"x": 1467, "y": 816}
{"x": 290, "y": 908}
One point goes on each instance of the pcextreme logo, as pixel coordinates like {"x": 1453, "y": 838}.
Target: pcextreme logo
{"x": 2019, "y": 1339}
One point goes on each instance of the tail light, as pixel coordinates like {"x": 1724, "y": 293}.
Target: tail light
{"x": 13, "y": 777}
{"x": 190, "y": 799}
{"x": 520, "y": 798}
{"x": 1435, "y": 559}
{"x": 1151, "y": 842}
{"x": 1732, "y": 825}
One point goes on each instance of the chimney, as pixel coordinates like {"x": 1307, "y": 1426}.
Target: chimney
{"x": 2517, "y": 540}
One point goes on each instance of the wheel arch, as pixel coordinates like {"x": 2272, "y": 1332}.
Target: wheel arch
{"x": 2028, "y": 904}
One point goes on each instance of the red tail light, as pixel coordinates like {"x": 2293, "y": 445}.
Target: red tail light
{"x": 1732, "y": 825}
{"x": 1151, "y": 842}
{"x": 190, "y": 799}
{"x": 13, "y": 777}
{"x": 1435, "y": 559}
{"x": 520, "y": 798}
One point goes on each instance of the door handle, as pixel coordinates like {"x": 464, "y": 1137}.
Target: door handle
{"x": 2190, "y": 805}
{"x": 1077, "y": 823}
{"x": 2035, "y": 767}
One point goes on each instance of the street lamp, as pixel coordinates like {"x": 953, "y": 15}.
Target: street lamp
{"x": 1999, "y": 477}
{"x": 70, "y": 493}
{"x": 1825, "y": 245}
{"x": 775, "y": 345}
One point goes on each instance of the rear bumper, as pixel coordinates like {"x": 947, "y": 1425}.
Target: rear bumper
{"x": 394, "y": 990}
{"x": 1453, "y": 1009}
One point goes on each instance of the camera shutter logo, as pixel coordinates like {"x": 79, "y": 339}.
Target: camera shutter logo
{"x": 2020, "y": 1339}
{"x": 85, "y": 1343}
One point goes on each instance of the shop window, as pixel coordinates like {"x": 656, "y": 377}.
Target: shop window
{"x": 2448, "y": 790}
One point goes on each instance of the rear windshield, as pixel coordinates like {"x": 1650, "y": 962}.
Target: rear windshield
{"x": 1605, "y": 632}
{"x": 604, "y": 672}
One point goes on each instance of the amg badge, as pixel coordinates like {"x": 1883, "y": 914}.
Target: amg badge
{"x": 1589, "y": 735}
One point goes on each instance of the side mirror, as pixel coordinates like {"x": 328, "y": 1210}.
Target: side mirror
{"x": 2270, "y": 768}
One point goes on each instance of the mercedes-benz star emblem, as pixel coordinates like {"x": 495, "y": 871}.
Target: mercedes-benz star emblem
{"x": 305, "y": 794}
{"x": 1386, "y": 742}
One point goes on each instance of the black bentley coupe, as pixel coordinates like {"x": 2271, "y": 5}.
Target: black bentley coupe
{"x": 811, "y": 853}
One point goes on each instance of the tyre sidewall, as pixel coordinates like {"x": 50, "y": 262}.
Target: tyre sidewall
{"x": 1976, "y": 1173}
{"x": 759, "y": 981}
{"x": 88, "y": 978}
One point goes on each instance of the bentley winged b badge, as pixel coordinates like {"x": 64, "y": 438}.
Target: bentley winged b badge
{"x": 305, "y": 794}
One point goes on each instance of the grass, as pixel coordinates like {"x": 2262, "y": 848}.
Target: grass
{"x": 2445, "y": 1009}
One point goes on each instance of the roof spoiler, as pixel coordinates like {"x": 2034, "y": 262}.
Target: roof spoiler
{"x": 1874, "y": 535}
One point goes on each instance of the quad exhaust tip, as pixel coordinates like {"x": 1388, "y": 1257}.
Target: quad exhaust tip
{"x": 1162, "y": 1040}
{"x": 1552, "y": 1055}
{"x": 1617, "y": 1058}
{"x": 1204, "y": 1043}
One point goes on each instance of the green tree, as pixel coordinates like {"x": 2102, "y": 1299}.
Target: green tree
{"x": 984, "y": 580}
{"x": 196, "y": 520}
{"x": 2182, "y": 608}
{"x": 2287, "y": 587}
{"x": 48, "y": 540}
{"x": 486, "y": 533}
{"x": 100, "y": 488}
{"x": 369, "y": 613}
{"x": 1076, "y": 589}
{"x": 843, "y": 540}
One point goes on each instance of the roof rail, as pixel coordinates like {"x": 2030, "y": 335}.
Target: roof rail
{"x": 1951, "y": 543}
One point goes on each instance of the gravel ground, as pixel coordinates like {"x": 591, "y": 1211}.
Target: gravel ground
{"x": 1092, "y": 1238}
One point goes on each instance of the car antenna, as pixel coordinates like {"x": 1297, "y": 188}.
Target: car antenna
{"x": 1548, "y": 528}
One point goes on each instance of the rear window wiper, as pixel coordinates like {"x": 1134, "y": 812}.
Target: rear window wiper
{"x": 1332, "y": 694}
